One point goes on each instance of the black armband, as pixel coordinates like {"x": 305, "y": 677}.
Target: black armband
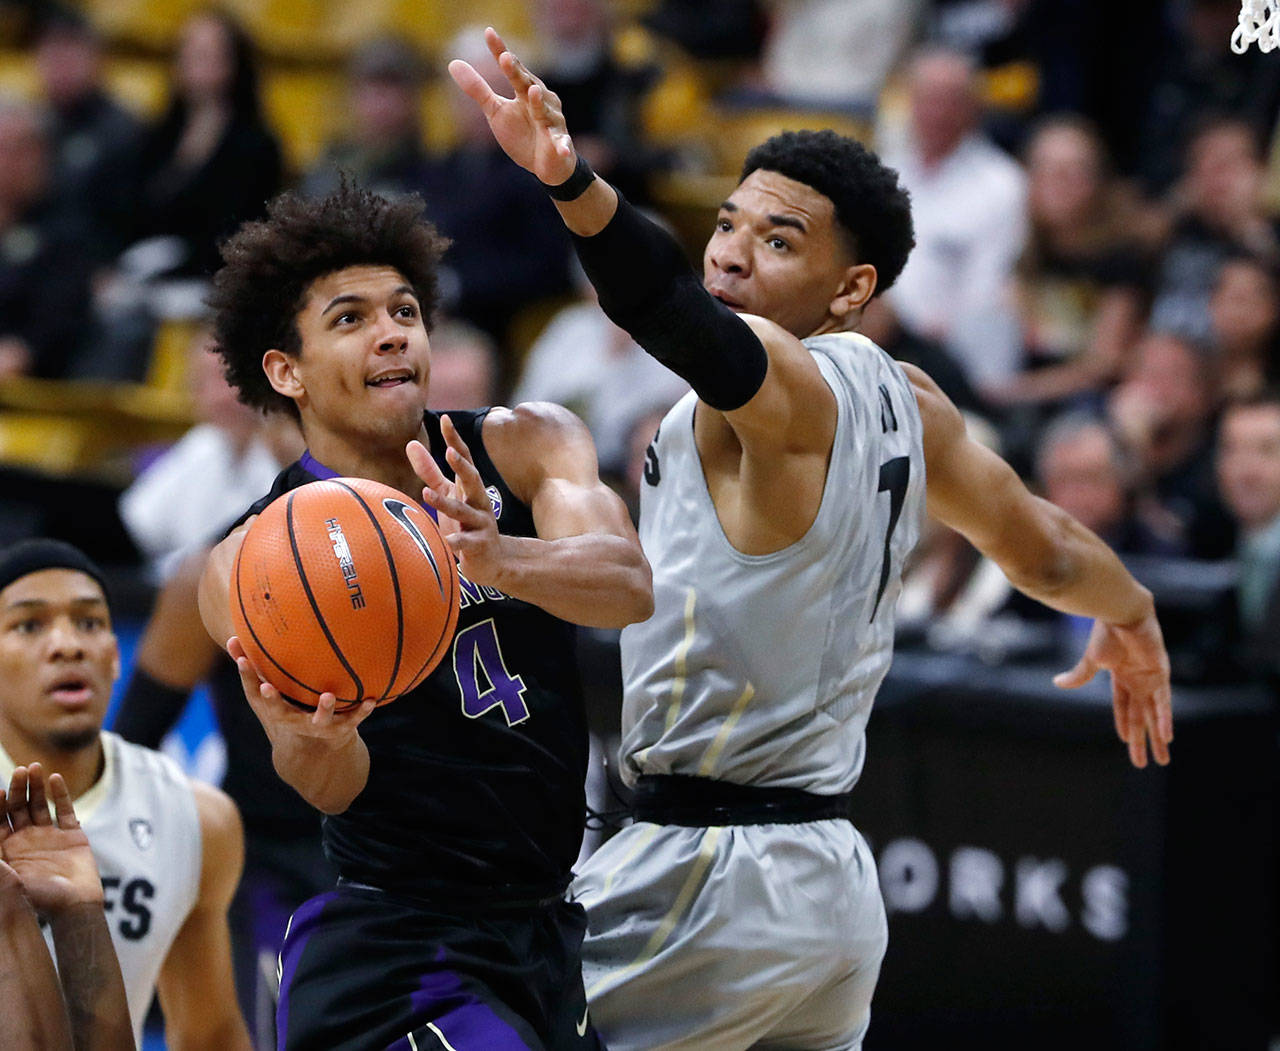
{"x": 576, "y": 185}
{"x": 647, "y": 288}
{"x": 148, "y": 709}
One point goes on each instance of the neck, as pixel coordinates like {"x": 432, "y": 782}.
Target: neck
{"x": 80, "y": 768}
{"x": 387, "y": 465}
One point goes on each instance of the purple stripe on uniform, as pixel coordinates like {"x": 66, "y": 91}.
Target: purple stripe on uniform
{"x": 319, "y": 471}
{"x": 300, "y": 931}
{"x": 464, "y": 1019}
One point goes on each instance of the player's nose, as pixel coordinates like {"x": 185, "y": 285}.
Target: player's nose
{"x": 730, "y": 255}
{"x": 65, "y": 642}
{"x": 391, "y": 336}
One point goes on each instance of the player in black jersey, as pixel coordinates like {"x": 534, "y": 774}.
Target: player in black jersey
{"x": 454, "y": 814}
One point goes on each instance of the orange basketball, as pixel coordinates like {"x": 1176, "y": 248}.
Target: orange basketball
{"x": 344, "y": 586}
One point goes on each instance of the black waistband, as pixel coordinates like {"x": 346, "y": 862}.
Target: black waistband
{"x": 454, "y": 904}
{"x": 701, "y": 802}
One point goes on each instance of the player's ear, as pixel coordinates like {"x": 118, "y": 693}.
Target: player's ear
{"x": 857, "y": 285}
{"x": 282, "y": 373}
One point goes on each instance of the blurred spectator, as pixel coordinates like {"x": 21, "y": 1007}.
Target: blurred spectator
{"x": 210, "y": 162}
{"x": 189, "y": 495}
{"x": 1082, "y": 469}
{"x": 44, "y": 273}
{"x": 967, "y": 199}
{"x": 1244, "y": 316}
{"x": 598, "y": 96}
{"x": 711, "y": 29}
{"x": 584, "y": 362}
{"x": 464, "y": 367}
{"x": 383, "y": 148}
{"x": 1078, "y": 282}
{"x": 509, "y": 247}
{"x": 1249, "y": 477}
{"x": 1220, "y": 213}
{"x": 835, "y": 53}
{"x": 92, "y": 136}
{"x": 1163, "y": 412}
{"x": 1196, "y": 71}
{"x": 881, "y": 325}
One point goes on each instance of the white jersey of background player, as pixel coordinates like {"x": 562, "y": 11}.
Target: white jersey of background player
{"x": 723, "y": 928}
{"x": 169, "y": 850}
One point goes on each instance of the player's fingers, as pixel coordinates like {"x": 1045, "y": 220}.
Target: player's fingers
{"x": 1082, "y": 673}
{"x": 62, "y": 804}
{"x": 424, "y": 465}
{"x": 1136, "y": 735}
{"x": 470, "y": 484}
{"x": 322, "y": 717}
{"x": 365, "y": 710}
{"x": 16, "y": 807}
{"x": 474, "y": 86}
{"x": 37, "y": 799}
{"x": 1164, "y": 713}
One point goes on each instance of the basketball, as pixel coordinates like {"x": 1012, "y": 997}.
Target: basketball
{"x": 344, "y": 586}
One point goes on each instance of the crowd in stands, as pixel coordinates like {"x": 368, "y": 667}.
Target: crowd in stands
{"x": 1094, "y": 279}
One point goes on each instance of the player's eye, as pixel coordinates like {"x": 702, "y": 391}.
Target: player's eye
{"x": 724, "y": 226}
{"x": 347, "y": 318}
{"x": 407, "y": 311}
{"x": 778, "y": 243}
{"x": 92, "y": 623}
{"x": 26, "y": 627}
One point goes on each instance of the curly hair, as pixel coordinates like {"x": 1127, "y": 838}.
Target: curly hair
{"x": 269, "y": 265}
{"x": 871, "y": 207}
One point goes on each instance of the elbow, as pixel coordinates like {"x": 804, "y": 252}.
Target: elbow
{"x": 635, "y": 596}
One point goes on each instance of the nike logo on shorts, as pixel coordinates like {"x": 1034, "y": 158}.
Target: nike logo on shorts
{"x": 581, "y": 1027}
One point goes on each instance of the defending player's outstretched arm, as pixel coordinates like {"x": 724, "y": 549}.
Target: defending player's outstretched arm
{"x": 755, "y": 372}
{"x": 1050, "y": 556}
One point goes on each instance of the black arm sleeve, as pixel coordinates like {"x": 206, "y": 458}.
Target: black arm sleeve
{"x": 148, "y": 710}
{"x": 647, "y": 287}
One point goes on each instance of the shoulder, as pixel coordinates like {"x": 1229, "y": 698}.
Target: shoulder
{"x": 939, "y": 417}
{"x": 536, "y": 439}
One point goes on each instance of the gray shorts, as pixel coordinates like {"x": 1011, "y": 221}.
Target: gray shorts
{"x": 726, "y": 938}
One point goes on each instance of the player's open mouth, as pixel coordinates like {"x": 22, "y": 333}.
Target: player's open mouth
{"x": 391, "y": 379}
{"x": 72, "y": 690}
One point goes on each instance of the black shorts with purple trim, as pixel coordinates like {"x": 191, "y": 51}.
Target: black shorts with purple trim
{"x": 363, "y": 970}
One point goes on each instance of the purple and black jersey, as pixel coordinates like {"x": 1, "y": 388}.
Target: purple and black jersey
{"x": 475, "y": 788}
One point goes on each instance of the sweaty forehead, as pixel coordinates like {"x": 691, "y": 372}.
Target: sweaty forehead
{"x": 53, "y": 587}
{"x": 368, "y": 282}
{"x": 769, "y": 192}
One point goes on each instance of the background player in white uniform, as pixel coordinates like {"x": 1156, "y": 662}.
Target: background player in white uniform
{"x": 742, "y": 909}
{"x": 169, "y": 850}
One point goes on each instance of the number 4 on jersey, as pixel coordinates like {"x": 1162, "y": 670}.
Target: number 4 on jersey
{"x": 482, "y": 675}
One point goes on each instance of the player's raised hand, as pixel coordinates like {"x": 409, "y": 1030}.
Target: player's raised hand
{"x": 284, "y": 723}
{"x": 1140, "y": 693}
{"x": 463, "y": 505}
{"x": 530, "y": 127}
{"x": 51, "y": 855}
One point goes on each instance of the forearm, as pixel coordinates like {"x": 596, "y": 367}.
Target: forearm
{"x": 32, "y": 1015}
{"x": 1082, "y": 575}
{"x": 227, "y": 1034}
{"x": 91, "y": 981}
{"x": 597, "y": 580}
{"x": 646, "y": 286}
{"x": 326, "y": 777}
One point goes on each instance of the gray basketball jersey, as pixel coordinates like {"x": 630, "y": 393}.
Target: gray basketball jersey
{"x": 762, "y": 669}
{"x": 144, "y": 829}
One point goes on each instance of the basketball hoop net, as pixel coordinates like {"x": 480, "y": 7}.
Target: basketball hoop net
{"x": 1259, "y": 23}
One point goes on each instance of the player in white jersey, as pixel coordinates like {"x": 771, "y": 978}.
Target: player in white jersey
{"x": 742, "y": 908}
{"x": 169, "y": 850}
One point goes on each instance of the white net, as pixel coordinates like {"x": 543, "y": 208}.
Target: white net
{"x": 1260, "y": 24}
